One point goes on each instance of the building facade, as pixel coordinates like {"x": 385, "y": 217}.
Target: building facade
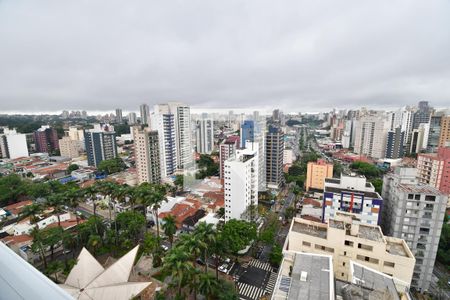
{"x": 444, "y": 137}
{"x": 434, "y": 169}
{"x": 205, "y": 136}
{"x": 227, "y": 149}
{"x": 352, "y": 193}
{"x": 13, "y": 144}
{"x": 346, "y": 239}
{"x": 69, "y": 148}
{"x": 132, "y": 120}
{"x": 145, "y": 114}
{"x": 241, "y": 183}
{"x": 371, "y": 135}
{"x": 274, "y": 157}
{"x": 316, "y": 174}
{"x": 100, "y": 144}
{"x": 46, "y": 140}
{"x": 247, "y": 132}
{"x": 394, "y": 144}
{"x": 119, "y": 116}
{"x": 146, "y": 149}
{"x": 414, "y": 212}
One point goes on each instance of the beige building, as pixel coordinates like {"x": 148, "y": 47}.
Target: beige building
{"x": 347, "y": 240}
{"x": 146, "y": 150}
{"x": 316, "y": 174}
{"x": 444, "y": 138}
{"x": 69, "y": 147}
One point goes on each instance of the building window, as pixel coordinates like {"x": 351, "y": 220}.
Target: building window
{"x": 348, "y": 243}
{"x": 389, "y": 264}
{"x": 365, "y": 247}
{"x": 306, "y": 244}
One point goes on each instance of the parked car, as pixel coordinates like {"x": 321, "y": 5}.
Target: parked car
{"x": 224, "y": 268}
{"x": 165, "y": 247}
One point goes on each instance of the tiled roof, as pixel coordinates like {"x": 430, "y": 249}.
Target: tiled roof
{"x": 16, "y": 208}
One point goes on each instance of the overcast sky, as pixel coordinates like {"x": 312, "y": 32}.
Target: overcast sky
{"x": 296, "y": 55}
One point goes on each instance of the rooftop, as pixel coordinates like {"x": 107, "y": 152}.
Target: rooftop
{"x": 419, "y": 189}
{"x": 311, "y": 277}
{"x": 310, "y": 228}
{"x": 373, "y": 195}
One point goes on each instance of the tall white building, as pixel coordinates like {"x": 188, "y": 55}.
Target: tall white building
{"x": 145, "y": 113}
{"x": 371, "y": 135}
{"x": 13, "y": 144}
{"x": 70, "y": 148}
{"x": 241, "y": 183}
{"x": 205, "y": 135}
{"x": 173, "y": 123}
{"x": 132, "y": 120}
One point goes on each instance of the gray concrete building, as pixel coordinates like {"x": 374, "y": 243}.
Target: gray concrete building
{"x": 415, "y": 213}
{"x": 274, "y": 157}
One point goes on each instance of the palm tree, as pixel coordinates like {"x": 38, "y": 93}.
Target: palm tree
{"x": 38, "y": 244}
{"x": 56, "y": 201}
{"x": 94, "y": 243}
{"x": 152, "y": 195}
{"x": 170, "y": 228}
{"x": 178, "y": 265}
{"x": 92, "y": 192}
{"x": 32, "y": 211}
{"x": 207, "y": 285}
{"x": 53, "y": 268}
{"x": 206, "y": 236}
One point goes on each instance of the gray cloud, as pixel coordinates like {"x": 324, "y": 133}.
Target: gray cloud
{"x": 297, "y": 55}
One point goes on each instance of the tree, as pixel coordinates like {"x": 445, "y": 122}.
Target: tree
{"x": 33, "y": 211}
{"x": 177, "y": 264}
{"x": 221, "y": 213}
{"x": 152, "y": 195}
{"x": 366, "y": 169}
{"x": 206, "y": 236}
{"x": 56, "y": 201}
{"x": 72, "y": 167}
{"x": 38, "y": 244}
{"x": 130, "y": 224}
{"x": 94, "y": 243}
{"x": 237, "y": 235}
{"x": 289, "y": 213}
{"x": 152, "y": 246}
{"x": 378, "y": 184}
{"x": 276, "y": 255}
{"x": 111, "y": 166}
{"x": 208, "y": 286}
{"x": 169, "y": 226}
{"x": 54, "y": 268}
{"x": 12, "y": 187}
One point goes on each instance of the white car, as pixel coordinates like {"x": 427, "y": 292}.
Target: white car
{"x": 164, "y": 247}
{"x": 223, "y": 268}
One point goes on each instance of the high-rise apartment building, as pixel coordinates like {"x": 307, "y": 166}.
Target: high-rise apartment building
{"x": 145, "y": 114}
{"x": 13, "y": 144}
{"x": 227, "y": 149}
{"x": 394, "y": 143}
{"x": 132, "y": 120}
{"x": 46, "y": 140}
{"x": 247, "y": 132}
{"x": 435, "y": 133}
{"x": 100, "y": 144}
{"x": 444, "y": 138}
{"x": 434, "y": 169}
{"x": 352, "y": 193}
{"x": 69, "y": 148}
{"x": 316, "y": 174}
{"x": 119, "y": 117}
{"x": 76, "y": 134}
{"x": 241, "y": 183}
{"x": 414, "y": 212}
{"x": 147, "y": 156}
{"x": 347, "y": 239}
{"x": 371, "y": 135}
{"x": 422, "y": 115}
{"x": 274, "y": 157}
{"x": 419, "y": 138}
{"x": 173, "y": 123}
{"x": 205, "y": 135}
